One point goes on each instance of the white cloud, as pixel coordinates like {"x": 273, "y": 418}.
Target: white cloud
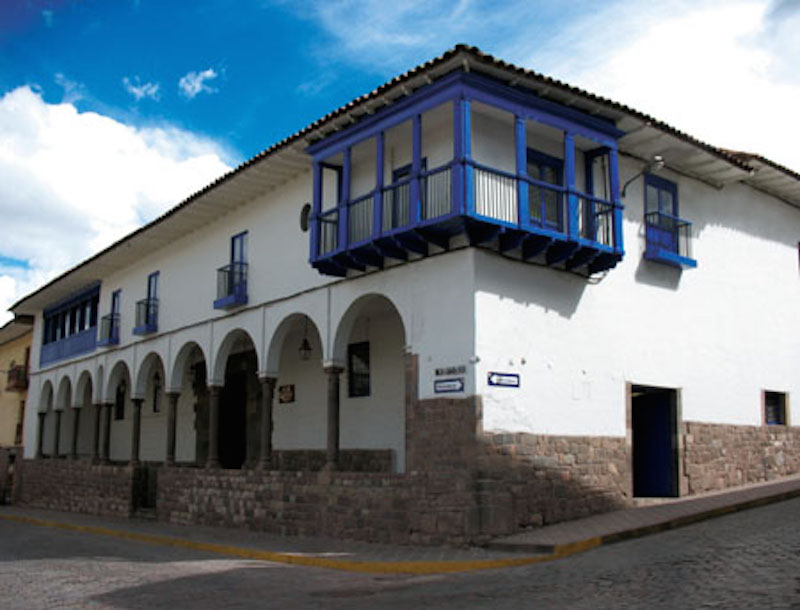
{"x": 724, "y": 71}
{"x": 715, "y": 70}
{"x": 72, "y": 183}
{"x": 141, "y": 90}
{"x": 193, "y": 83}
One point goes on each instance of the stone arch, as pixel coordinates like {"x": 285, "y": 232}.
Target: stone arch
{"x": 288, "y": 325}
{"x": 236, "y": 364}
{"x": 85, "y": 383}
{"x": 373, "y": 386}
{"x": 119, "y": 373}
{"x": 46, "y": 397}
{"x": 151, "y": 364}
{"x": 63, "y": 394}
{"x": 184, "y": 358}
{"x": 233, "y": 342}
{"x": 344, "y": 328}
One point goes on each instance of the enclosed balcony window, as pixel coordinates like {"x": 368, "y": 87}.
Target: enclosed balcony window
{"x": 70, "y": 327}
{"x": 232, "y": 278}
{"x": 453, "y": 162}
{"x": 668, "y": 237}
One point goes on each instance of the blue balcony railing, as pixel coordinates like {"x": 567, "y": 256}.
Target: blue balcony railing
{"x": 109, "y": 330}
{"x": 146, "y": 317}
{"x": 668, "y": 240}
{"x": 558, "y": 223}
{"x": 231, "y": 286}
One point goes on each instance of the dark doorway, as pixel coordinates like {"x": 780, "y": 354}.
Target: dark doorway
{"x": 233, "y": 410}
{"x": 654, "y": 421}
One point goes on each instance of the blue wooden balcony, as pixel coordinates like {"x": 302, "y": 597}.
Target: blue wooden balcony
{"x": 146, "y": 317}
{"x": 668, "y": 240}
{"x": 109, "y": 330}
{"x": 555, "y": 223}
{"x": 231, "y": 286}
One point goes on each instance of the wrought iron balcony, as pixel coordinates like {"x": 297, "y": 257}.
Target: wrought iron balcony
{"x": 17, "y": 379}
{"x": 109, "y": 330}
{"x": 146, "y": 317}
{"x": 668, "y": 240}
{"x": 231, "y": 286}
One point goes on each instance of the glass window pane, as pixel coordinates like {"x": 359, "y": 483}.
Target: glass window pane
{"x": 666, "y": 203}
{"x": 651, "y": 199}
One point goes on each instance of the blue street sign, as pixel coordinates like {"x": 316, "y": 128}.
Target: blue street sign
{"x": 507, "y": 380}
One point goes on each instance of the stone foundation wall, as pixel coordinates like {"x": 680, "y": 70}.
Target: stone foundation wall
{"x": 718, "y": 456}
{"x": 77, "y": 486}
{"x": 527, "y": 480}
{"x": 404, "y": 509}
{"x": 350, "y": 460}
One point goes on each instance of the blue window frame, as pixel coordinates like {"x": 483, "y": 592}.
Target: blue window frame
{"x": 232, "y": 278}
{"x": 152, "y": 286}
{"x": 660, "y": 195}
{"x": 545, "y": 204}
{"x": 239, "y": 248}
{"x": 774, "y": 408}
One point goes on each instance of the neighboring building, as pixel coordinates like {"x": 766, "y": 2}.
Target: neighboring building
{"x": 15, "y": 350}
{"x": 473, "y": 300}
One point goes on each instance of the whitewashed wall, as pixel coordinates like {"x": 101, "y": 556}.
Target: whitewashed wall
{"x": 722, "y": 332}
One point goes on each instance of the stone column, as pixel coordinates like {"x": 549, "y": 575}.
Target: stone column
{"x": 76, "y": 426}
{"x": 172, "y": 423}
{"x": 213, "y": 427}
{"x": 107, "y": 434}
{"x": 333, "y": 373}
{"x": 57, "y": 440}
{"x": 98, "y": 410}
{"x": 40, "y": 439}
{"x": 265, "y": 449}
{"x": 137, "y": 430}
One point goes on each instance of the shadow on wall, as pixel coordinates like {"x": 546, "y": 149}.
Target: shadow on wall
{"x": 525, "y": 481}
{"x": 658, "y": 274}
{"x": 530, "y": 284}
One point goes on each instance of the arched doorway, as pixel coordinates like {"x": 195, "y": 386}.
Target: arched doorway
{"x": 238, "y": 402}
{"x": 370, "y": 342}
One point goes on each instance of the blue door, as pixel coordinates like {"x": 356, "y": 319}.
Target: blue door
{"x": 655, "y": 447}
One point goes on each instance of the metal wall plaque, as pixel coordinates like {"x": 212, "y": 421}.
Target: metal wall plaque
{"x": 445, "y": 386}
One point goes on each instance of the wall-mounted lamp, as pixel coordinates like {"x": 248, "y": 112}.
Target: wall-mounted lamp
{"x": 305, "y": 346}
{"x": 657, "y": 164}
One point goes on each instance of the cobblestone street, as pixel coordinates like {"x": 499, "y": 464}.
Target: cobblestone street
{"x": 745, "y": 560}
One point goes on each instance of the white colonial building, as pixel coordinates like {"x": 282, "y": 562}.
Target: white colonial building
{"x": 473, "y": 300}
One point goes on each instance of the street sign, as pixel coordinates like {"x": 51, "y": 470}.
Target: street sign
{"x": 444, "y": 386}
{"x": 507, "y": 380}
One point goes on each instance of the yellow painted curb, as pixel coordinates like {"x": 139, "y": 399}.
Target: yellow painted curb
{"x": 349, "y": 565}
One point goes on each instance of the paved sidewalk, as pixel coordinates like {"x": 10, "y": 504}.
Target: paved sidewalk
{"x": 543, "y": 544}
{"x": 606, "y": 528}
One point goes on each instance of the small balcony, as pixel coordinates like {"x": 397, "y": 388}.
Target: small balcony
{"x": 17, "y": 379}
{"x": 231, "y": 286}
{"x": 668, "y": 240}
{"x": 109, "y": 330}
{"x": 146, "y": 317}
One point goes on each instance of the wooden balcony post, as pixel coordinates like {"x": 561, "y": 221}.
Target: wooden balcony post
{"x": 344, "y": 200}
{"x": 416, "y": 165}
{"x": 613, "y": 179}
{"x": 521, "y": 149}
{"x": 377, "y": 216}
{"x": 316, "y": 207}
{"x": 569, "y": 183}
{"x": 469, "y": 184}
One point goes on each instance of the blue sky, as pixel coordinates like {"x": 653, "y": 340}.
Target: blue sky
{"x": 113, "y": 111}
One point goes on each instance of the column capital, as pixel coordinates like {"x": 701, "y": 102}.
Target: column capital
{"x": 333, "y": 368}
